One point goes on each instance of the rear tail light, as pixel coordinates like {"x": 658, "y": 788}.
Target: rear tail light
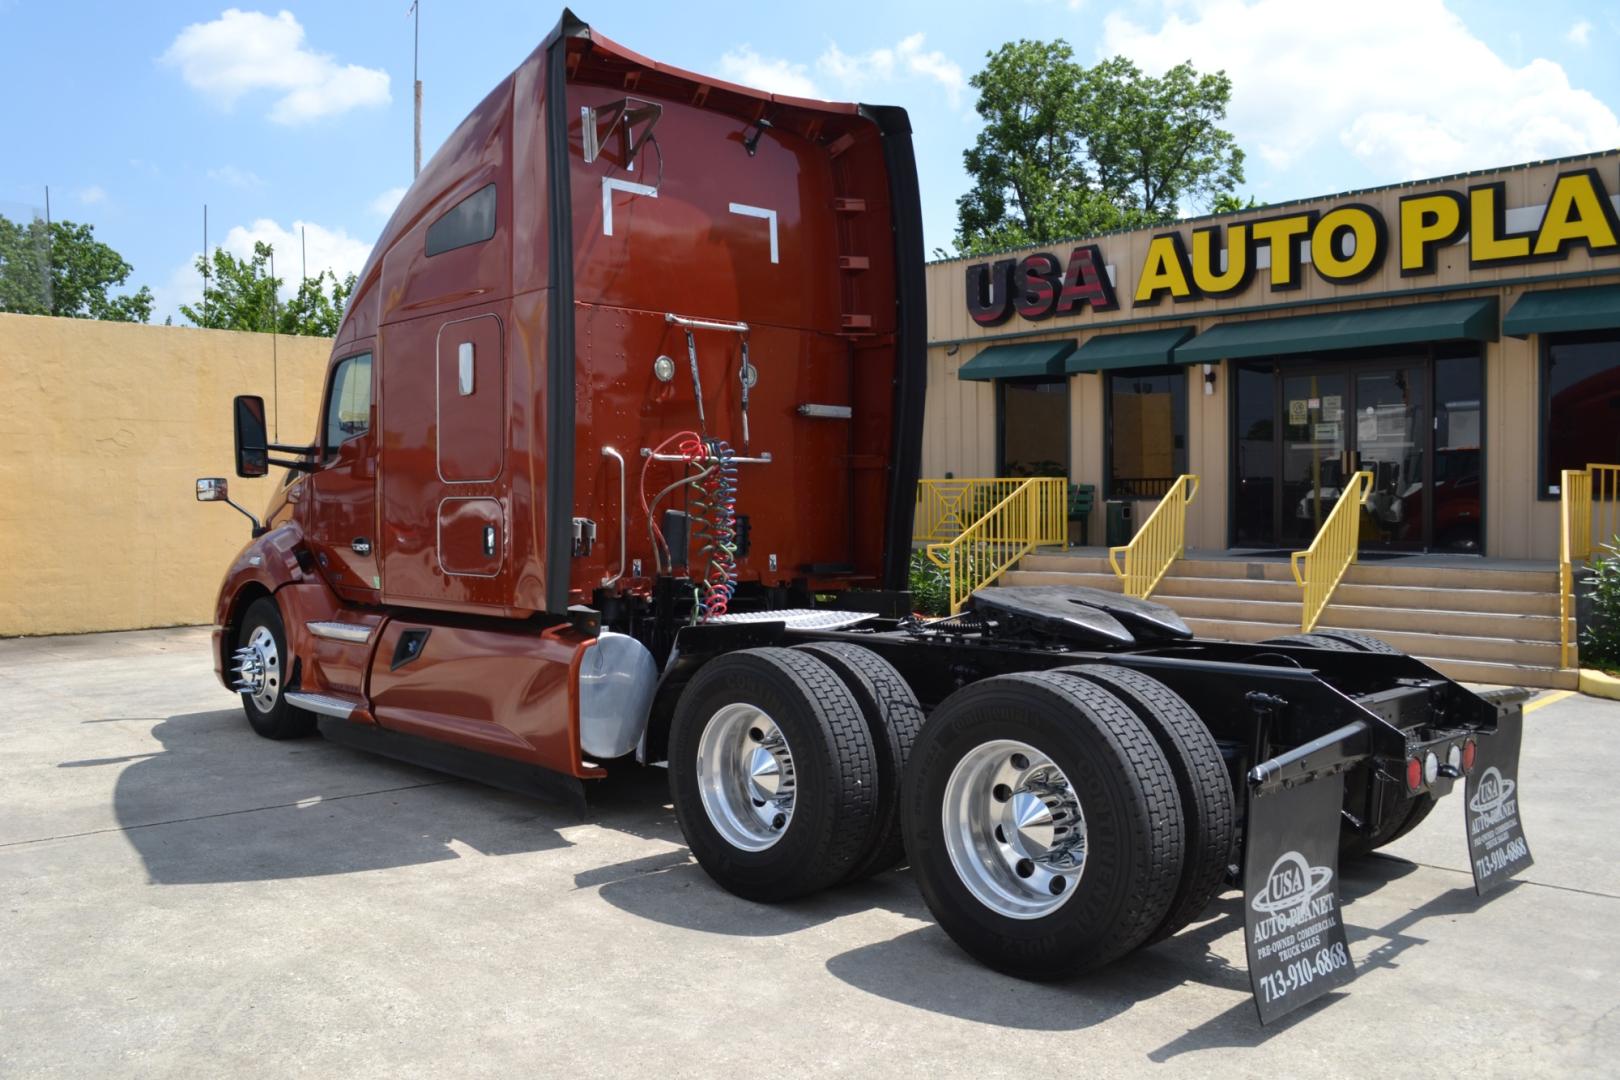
{"x": 1470, "y": 748}
{"x": 1431, "y": 767}
{"x": 1414, "y": 775}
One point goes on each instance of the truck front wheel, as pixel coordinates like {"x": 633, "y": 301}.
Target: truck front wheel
{"x": 773, "y": 773}
{"x": 259, "y": 668}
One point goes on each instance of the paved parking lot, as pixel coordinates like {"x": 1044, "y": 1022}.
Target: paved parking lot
{"x": 178, "y": 897}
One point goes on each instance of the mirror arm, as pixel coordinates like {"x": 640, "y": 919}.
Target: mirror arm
{"x": 287, "y": 449}
{"x": 258, "y": 527}
{"x": 296, "y": 466}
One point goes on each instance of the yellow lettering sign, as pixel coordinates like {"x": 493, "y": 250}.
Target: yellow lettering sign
{"x": 1208, "y": 277}
{"x": 1366, "y": 250}
{"x": 1488, "y": 238}
{"x": 1428, "y": 223}
{"x": 1579, "y": 212}
{"x": 1281, "y": 236}
{"x": 1164, "y": 271}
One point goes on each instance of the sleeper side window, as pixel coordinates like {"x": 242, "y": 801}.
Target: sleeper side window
{"x": 348, "y": 407}
{"x": 470, "y": 221}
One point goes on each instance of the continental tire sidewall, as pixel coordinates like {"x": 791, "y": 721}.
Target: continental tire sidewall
{"x": 282, "y": 720}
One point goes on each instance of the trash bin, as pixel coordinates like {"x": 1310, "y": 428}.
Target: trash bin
{"x": 1119, "y": 522}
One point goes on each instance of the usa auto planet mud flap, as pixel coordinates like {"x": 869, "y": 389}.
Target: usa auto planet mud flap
{"x": 1497, "y": 848}
{"x": 1292, "y": 924}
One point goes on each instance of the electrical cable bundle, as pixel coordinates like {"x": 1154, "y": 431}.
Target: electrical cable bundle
{"x": 715, "y": 511}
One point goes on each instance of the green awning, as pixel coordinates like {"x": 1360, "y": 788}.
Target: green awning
{"x": 1017, "y": 361}
{"x": 1405, "y": 324}
{"x": 1594, "y": 308}
{"x": 1111, "y": 352}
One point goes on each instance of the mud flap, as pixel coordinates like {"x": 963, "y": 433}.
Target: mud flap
{"x": 1497, "y": 849}
{"x": 1292, "y": 924}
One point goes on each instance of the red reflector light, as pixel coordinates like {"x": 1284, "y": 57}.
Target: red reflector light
{"x": 1469, "y": 749}
{"x": 1414, "y": 775}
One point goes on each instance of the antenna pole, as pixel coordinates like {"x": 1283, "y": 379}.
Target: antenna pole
{"x": 275, "y": 370}
{"x": 416, "y": 52}
{"x": 205, "y": 265}
{"x": 303, "y": 252}
{"x": 47, "y": 206}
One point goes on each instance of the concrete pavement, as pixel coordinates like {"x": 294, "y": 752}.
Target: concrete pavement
{"x": 179, "y": 897}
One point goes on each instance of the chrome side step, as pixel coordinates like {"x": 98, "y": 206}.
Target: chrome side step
{"x": 322, "y": 705}
{"x": 340, "y": 631}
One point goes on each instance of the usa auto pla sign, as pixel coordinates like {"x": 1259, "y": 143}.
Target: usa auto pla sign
{"x": 1345, "y": 244}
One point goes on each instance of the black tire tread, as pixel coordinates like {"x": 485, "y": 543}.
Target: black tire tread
{"x": 1312, "y": 641}
{"x": 894, "y": 717}
{"x": 1358, "y": 641}
{"x": 846, "y": 752}
{"x": 1208, "y": 802}
{"x": 284, "y": 720}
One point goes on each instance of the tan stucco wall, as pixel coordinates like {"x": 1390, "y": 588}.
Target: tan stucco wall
{"x": 104, "y": 427}
{"x": 960, "y": 423}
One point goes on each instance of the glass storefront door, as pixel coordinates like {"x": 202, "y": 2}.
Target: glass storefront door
{"x": 1313, "y": 446}
{"x": 1301, "y": 427}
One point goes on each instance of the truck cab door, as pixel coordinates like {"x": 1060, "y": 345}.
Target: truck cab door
{"x": 342, "y": 491}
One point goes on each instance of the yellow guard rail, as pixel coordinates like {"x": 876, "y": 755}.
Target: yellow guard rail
{"x": 1160, "y": 541}
{"x": 1034, "y": 512}
{"x": 1319, "y": 568}
{"x": 1588, "y": 506}
{"x": 946, "y": 507}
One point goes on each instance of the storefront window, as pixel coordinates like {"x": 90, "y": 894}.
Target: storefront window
{"x": 1255, "y": 444}
{"x": 1034, "y": 427}
{"x": 1580, "y": 404}
{"x": 1147, "y": 431}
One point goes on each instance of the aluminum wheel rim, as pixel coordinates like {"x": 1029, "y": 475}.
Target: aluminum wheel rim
{"x": 746, "y": 777}
{"x": 1014, "y": 829}
{"x": 258, "y": 669}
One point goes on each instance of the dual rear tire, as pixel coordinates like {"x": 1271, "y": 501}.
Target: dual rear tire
{"x": 1055, "y": 820}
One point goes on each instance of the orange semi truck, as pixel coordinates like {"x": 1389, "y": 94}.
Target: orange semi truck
{"x": 616, "y": 466}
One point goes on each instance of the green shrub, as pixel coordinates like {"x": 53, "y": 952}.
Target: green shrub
{"x": 930, "y": 587}
{"x": 1600, "y": 636}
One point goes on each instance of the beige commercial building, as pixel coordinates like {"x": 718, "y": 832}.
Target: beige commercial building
{"x": 1459, "y": 338}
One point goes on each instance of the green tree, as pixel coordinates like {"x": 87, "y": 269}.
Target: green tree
{"x": 1068, "y": 150}
{"x": 62, "y": 269}
{"x": 241, "y": 294}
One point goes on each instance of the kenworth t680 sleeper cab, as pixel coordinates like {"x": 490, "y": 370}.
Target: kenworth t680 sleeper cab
{"x": 615, "y": 467}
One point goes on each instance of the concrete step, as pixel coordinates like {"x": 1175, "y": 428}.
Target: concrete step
{"x": 1091, "y": 580}
{"x": 1437, "y": 621}
{"x": 1452, "y": 577}
{"x": 1476, "y": 671}
{"x": 1489, "y": 601}
{"x": 1282, "y": 592}
{"x": 1441, "y": 646}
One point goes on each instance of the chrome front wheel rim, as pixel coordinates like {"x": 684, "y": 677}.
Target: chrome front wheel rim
{"x": 746, "y": 777}
{"x": 1014, "y": 829}
{"x": 258, "y": 669}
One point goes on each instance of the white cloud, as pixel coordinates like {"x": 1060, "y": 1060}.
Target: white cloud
{"x": 1404, "y": 85}
{"x": 907, "y": 59}
{"x": 245, "y": 51}
{"x": 1580, "y": 33}
{"x": 849, "y": 73}
{"x": 237, "y": 178}
{"x": 772, "y": 74}
{"x": 383, "y": 205}
{"x": 92, "y": 195}
{"x": 328, "y": 249}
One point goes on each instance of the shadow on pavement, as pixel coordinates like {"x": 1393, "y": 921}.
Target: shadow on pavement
{"x": 233, "y": 807}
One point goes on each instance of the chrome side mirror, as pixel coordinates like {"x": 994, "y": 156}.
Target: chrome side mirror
{"x": 214, "y": 489}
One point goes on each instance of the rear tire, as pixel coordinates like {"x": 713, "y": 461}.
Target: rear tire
{"x": 772, "y": 773}
{"x": 893, "y": 717}
{"x": 1312, "y": 641}
{"x": 268, "y": 711}
{"x": 973, "y": 874}
{"x": 1360, "y": 642}
{"x": 1202, "y": 783}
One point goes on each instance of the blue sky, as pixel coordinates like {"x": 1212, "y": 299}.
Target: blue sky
{"x": 300, "y": 114}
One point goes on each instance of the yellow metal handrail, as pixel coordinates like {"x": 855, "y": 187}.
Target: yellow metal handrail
{"x": 1034, "y": 512}
{"x": 1160, "y": 541}
{"x": 1333, "y": 550}
{"x": 946, "y": 507}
